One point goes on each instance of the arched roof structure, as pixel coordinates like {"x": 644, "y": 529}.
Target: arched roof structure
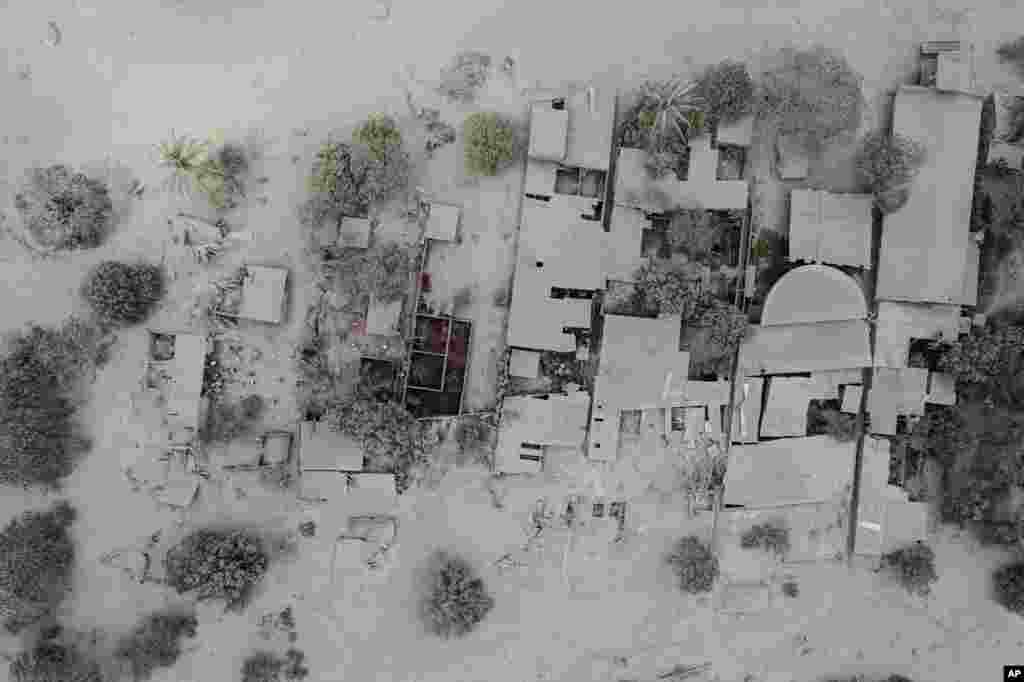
{"x": 814, "y": 293}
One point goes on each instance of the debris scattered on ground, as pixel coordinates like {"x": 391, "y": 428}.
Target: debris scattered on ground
{"x": 54, "y": 35}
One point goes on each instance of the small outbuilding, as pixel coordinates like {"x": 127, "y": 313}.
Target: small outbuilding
{"x": 442, "y": 222}
{"x": 263, "y": 294}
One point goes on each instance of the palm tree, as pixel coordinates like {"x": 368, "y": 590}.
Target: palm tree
{"x": 192, "y": 167}
{"x": 668, "y": 111}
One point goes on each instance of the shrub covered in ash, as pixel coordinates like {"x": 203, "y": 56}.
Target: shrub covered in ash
{"x": 668, "y": 286}
{"x": 51, "y": 661}
{"x": 265, "y": 666}
{"x": 694, "y": 564}
{"x": 40, "y": 437}
{"x": 226, "y": 421}
{"x": 770, "y": 536}
{"x": 347, "y": 178}
{"x": 378, "y": 133}
{"x": 489, "y": 140}
{"x": 464, "y": 76}
{"x": 726, "y": 91}
{"x": 1008, "y": 587}
{"x": 456, "y": 600}
{"x": 124, "y": 293}
{"x": 885, "y": 163}
{"x": 812, "y": 94}
{"x": 62, "y": 209}
{"x": 218, "y": 564}
{"x": 1012, "y": 53}
{"x": 913, "y": 566}
{"x": 155, "y": 642}
{"x": 37, "y": 556}
{"x": 393, "y": 440}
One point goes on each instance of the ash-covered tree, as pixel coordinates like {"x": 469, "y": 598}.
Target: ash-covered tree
{"x": 155, "y": 642}
{"x": 987, "y": 364}
{"x": 489, "y": 141}
{"x": 1012, "y": 52}
{"x": 378, "y": 133}
{"x": 669, "y": 286}
{"x": 347, "y": 178}
{"x": 811, "y": 94}
{"x": 693, "y": 232}
{"x": 770, "y": 536}
{"x": 63, "y": 209}
{"x": 218, "y": 564}
{"x": 464, "y": 76}
{"x": 885, "y": 164}
{"x": 123, "y": 293}
{"x": 1008, "y": 587}
{"x": 52, "y": 661}
{"x": 393, "y": 439}
{"x": 266, "y": 666}
{"x": 726, "y": 91}
{"x": 383, "y": 271}
{"x": 913, "y": 566}
{"x": 727, "y": 325}
{"x": 456, "y": 599}
{"x": 40, "y": 437}
{"x": 694, "y": 564}
{"x": 37, "y": 556}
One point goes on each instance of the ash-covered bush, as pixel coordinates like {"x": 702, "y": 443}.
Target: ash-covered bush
{"x": 1012, "y": 53}
{"x": 51, "y": 661}
{"x": 155, "y": 642}
{"x": 727, "y": 326}
{"x": 378, "y": 133}
{"x": 812, "y": 94}
{"x": 726, "y": 91}
{"x": 464, "y": 76}
{"x": 886, "y": 163}
{"x": 347, "y": 179}
{"x": 392, "y": 438}
{"x": 694, "y": 565}
{"x": 37, "y": 557}
{"x": 226, "y": 421}
{"x": 40, "y": 437}
{"x": 770, "y": 536}
{"x": 668, "y": 286}
{"x": 490, "y": 142}
{"x": 692, "y": 231}
{"x": 218, "y": 564}
{"x": 456, "y": 599}
{"x": 913, "y": 566}
{"x": 383, "y": 271}
{"x": 124, "y": 293}
{"x": 266, "y": 666}
{"x": 1008, "y": 587}
{"x": 63, "y": 209}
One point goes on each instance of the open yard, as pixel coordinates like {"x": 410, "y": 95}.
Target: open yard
{"x": 576, "y": 606}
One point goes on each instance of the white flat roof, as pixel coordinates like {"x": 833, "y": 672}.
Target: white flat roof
{"x": 830, "y": 228}
{"x": 634, "y": 186}
{"x": 780, "y": 349}
{"x": 898, "y": 323}
{"x": 263, "y": 292}
{"x": 384, "y": 318}
{"x": 443, "y": 222}
{"x": 549, "y": 129}
{"x": 924, "y": 244}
